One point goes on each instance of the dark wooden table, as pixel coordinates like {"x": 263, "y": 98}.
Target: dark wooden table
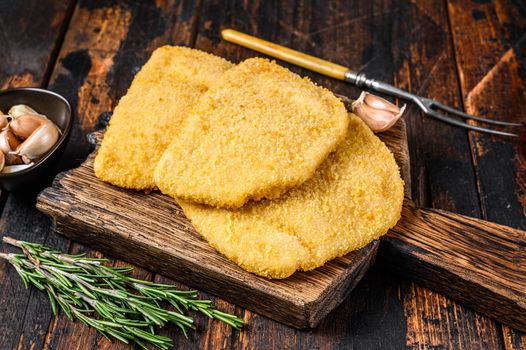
{"x": 470, "y": 54}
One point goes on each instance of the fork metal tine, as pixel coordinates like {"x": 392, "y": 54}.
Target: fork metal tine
{"x": 469, "y": 116}
{"x": 446, "y": 119}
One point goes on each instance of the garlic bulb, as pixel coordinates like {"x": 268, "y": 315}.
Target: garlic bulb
{"x": 9, "y": 143}
{"x": 378, "y": 113}
{"x": 25, "y": 125}
{"x": 18, "y": 110}
{"x": 40, "y": 141}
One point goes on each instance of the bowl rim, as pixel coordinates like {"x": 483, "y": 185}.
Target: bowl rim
{"x": 64, "y": 133}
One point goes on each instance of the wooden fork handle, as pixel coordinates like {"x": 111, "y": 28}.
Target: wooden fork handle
{"x": 479, "y": 263}
{"x": 312, "y": 63}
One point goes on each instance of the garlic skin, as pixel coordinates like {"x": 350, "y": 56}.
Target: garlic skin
{"x": 378, "y": 113}
{"x": 25, "y": 125}
{"x": 9, "y": 143}
{"x": 39, "y": 142}
{"x": 19, "y": 110}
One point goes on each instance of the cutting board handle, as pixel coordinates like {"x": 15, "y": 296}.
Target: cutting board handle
{"x": 479, "y": 263}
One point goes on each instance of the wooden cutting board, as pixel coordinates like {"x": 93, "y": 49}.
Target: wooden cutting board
{"x": 479, "y": 263}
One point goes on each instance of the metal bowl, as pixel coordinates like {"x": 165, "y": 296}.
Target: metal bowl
{"x": 58, "y": 110}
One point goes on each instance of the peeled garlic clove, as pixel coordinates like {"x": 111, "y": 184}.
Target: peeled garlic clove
{"x": 18, "y": 110}
{"x": 25, "y": 125}
{"x": 378, "y": 113}
{"x": 379, "y": 103}
{"x": 377, "y": 120}
{"x": 14, "y": 168}
{"x": 9, "y": 143}
{"x": 40, "y": 141}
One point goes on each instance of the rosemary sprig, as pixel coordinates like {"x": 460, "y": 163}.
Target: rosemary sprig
{"x": 107, "y": 298}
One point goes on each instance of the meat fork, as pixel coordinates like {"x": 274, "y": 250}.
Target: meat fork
{"x": 428, "y": 106}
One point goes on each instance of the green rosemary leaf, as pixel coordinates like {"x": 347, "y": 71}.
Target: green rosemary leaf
{"x": 118, "y": 335}
{"x": 85, "y": 291}
{"x": 155, "y": 339}
{"x": 52, "y": 300}
{"x": 123, "y": 269}
{"x": 35, "y": 282}
{"x": 65, "y": 308}
{"x": 22, "y": 275}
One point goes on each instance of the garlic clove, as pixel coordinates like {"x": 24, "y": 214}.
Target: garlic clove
{"x": 379, "y": 103}
{"x": 377, "y": 120}
{"x": 18, "y": 110}
{"x": 9, "y": 143}
{"x": 2, "y": 161}
{"x": 14, "y": 168}
{"x": 40, "y": 141}
{"x": 3, "y": 120}
{"x": 25, "y": 125}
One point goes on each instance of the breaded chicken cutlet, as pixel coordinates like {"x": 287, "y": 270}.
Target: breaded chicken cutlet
{"x": 259, "y": 131}
{"x": 354, "y": 197}
{"x": 151, "y": 112}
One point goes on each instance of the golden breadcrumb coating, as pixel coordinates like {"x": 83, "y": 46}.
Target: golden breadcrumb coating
{"x": 259, "y": 131}
{"x": 354, "y": 197}
{"x": 151, "y": 112}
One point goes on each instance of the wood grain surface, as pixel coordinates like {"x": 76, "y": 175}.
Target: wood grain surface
{"x": 492, "y": 81}
{"x": 26, "y": 60}
{"x": 412, "y": 44}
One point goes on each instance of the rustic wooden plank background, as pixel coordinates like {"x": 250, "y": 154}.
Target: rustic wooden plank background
{"x": 470, "y": 54}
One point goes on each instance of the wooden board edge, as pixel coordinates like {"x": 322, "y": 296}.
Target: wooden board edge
{"x": 445, "y": 282}
{"x": 407, "y": 252}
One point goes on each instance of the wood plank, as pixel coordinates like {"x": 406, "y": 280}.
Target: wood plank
{"x": 368, "y": 319}
{"x": 491, "y": 63}
{"x": 486, "y": 270}
{"x": 104, "y": 47}
{"x": 442, "y": 173}
{"x": 430, "y": 298}
{"x": 25, "y": 60}
{"x": 364, "y": 37}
